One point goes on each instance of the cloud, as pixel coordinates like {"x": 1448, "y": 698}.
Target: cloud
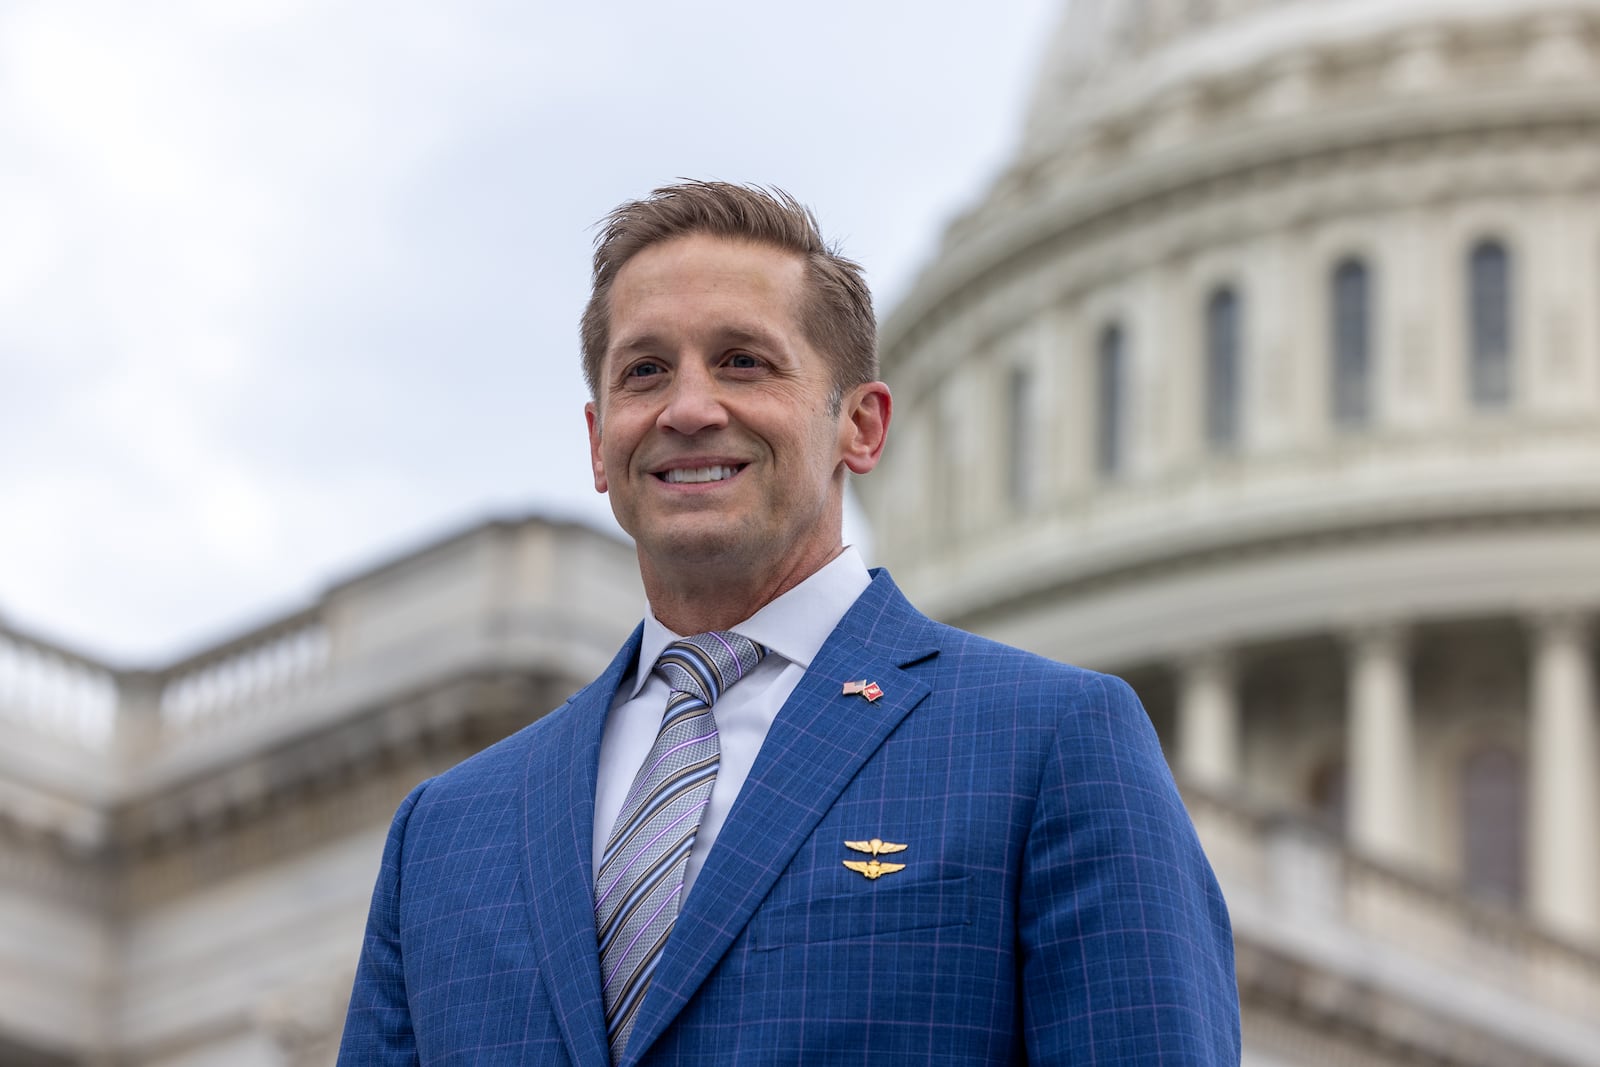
{"x": 288, "y": 285}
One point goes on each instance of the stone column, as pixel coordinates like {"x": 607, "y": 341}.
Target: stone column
{"x": 1564, "y": 779}
{"x": 1208, "y": 720}
{"x": 1381, "y": 755}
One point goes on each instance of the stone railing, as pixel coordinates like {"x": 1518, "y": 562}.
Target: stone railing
{"x": 277, "y": 661}
{"x": 525, "y": 594}
{"x": 71, "y": 698}
{"x": 1497, "y": 946}
{"x": 1300, "y": 875}
{"x": 53, "y": 691}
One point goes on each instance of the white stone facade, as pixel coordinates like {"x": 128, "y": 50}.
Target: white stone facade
{"x": 1269, "y": 375}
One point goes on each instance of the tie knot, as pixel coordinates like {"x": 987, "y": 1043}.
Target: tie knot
{"x": 704, "y": 665}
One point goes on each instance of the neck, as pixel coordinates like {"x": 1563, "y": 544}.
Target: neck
{"x": 704, "y": 598}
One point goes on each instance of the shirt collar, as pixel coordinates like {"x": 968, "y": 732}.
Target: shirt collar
{"x": 793, "y": 626}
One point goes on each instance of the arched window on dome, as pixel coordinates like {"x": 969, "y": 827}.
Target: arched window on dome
{"x": 948, "y": 475}
{"x": 1111, "y": 370}
{"x": 1351, "y": 336}
{"x": 1327, "y": 793}
{"x": 1489, "y": 324}
{"x": 1493, "y": 810}
{"x": 1022, "y": 444}
{"x": 1223, "y": 320}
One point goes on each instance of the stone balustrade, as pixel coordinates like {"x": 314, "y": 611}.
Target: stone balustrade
{"x": 68, "y": 697}
{"x": 278, "y": 660}
{"x": 498, "y": 592}
{"x": 1281, "y": 872}
{"x": 1442, "y": 925}
{"x": 51, "y": 690}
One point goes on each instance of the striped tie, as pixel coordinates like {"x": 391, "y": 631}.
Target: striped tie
{"x": 641, "y": 871}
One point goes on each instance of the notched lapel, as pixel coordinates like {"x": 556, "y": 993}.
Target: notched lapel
{"x": 558, "y": 846}
{"x": 817, "y": 745}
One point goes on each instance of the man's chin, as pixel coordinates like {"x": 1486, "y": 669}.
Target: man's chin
{"x": 702, "y": 545}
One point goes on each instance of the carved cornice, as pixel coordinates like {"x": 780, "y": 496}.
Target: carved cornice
{"x": 1042, "y": 584}
{"x": 48, "y": 867}
{"x": 281, "y": 803}
{"x": 273, "y": 804}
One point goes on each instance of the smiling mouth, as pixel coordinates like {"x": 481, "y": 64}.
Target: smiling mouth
{"x": 696, "y": 475}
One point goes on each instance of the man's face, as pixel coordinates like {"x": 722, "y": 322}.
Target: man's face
{"x": 712, "y": 433}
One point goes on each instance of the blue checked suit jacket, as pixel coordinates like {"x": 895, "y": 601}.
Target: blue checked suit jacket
{"x": 1055, "y": 906}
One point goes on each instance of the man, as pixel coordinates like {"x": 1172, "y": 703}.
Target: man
{"x": 824, "y": 829}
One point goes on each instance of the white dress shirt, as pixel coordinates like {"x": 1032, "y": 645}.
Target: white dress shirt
{"x": 794, "y": 628}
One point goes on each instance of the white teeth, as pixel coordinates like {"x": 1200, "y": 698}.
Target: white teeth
{"x": 699, "y": 474}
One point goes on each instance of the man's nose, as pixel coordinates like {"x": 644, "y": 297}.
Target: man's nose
{"x": 694, "y": 403}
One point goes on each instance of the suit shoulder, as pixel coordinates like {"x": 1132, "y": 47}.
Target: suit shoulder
{"x": 885, "y": 620}
{"x": 1003, "y": 678}
{"x": 966, "y": 650}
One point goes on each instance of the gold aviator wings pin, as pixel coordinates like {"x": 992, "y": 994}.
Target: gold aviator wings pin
{"x": 874, "y": 868}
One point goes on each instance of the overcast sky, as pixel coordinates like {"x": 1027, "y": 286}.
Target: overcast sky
{"x": 289, "y": 286}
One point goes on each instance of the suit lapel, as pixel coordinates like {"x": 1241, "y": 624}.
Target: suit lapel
{"x": 816, "y": 745}
{"x": 558, "y": 851}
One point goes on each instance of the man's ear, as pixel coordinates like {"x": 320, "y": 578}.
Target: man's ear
{"x": 591, "y": 415}
{"x": 866, "y": 427}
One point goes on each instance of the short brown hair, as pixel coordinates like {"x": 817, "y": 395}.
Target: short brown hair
{"x": 836, "y": 316}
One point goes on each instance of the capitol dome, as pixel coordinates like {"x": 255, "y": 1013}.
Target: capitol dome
{"x": 1268, "y": 375}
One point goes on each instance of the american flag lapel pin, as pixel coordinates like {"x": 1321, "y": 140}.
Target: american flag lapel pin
{"x": 870, "y": 690}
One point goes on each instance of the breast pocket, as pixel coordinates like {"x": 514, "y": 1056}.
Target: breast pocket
{"x": 877, "y": 909}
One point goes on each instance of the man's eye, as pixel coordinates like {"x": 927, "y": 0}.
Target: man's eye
{"x": 743, "y": 361}
{"x": 643, "y": 370}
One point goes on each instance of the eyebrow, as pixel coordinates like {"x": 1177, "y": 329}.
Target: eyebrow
{"x": 741, "y": 335}
{"x": 643, "y": 343}
{"x": 730, "y": 335}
